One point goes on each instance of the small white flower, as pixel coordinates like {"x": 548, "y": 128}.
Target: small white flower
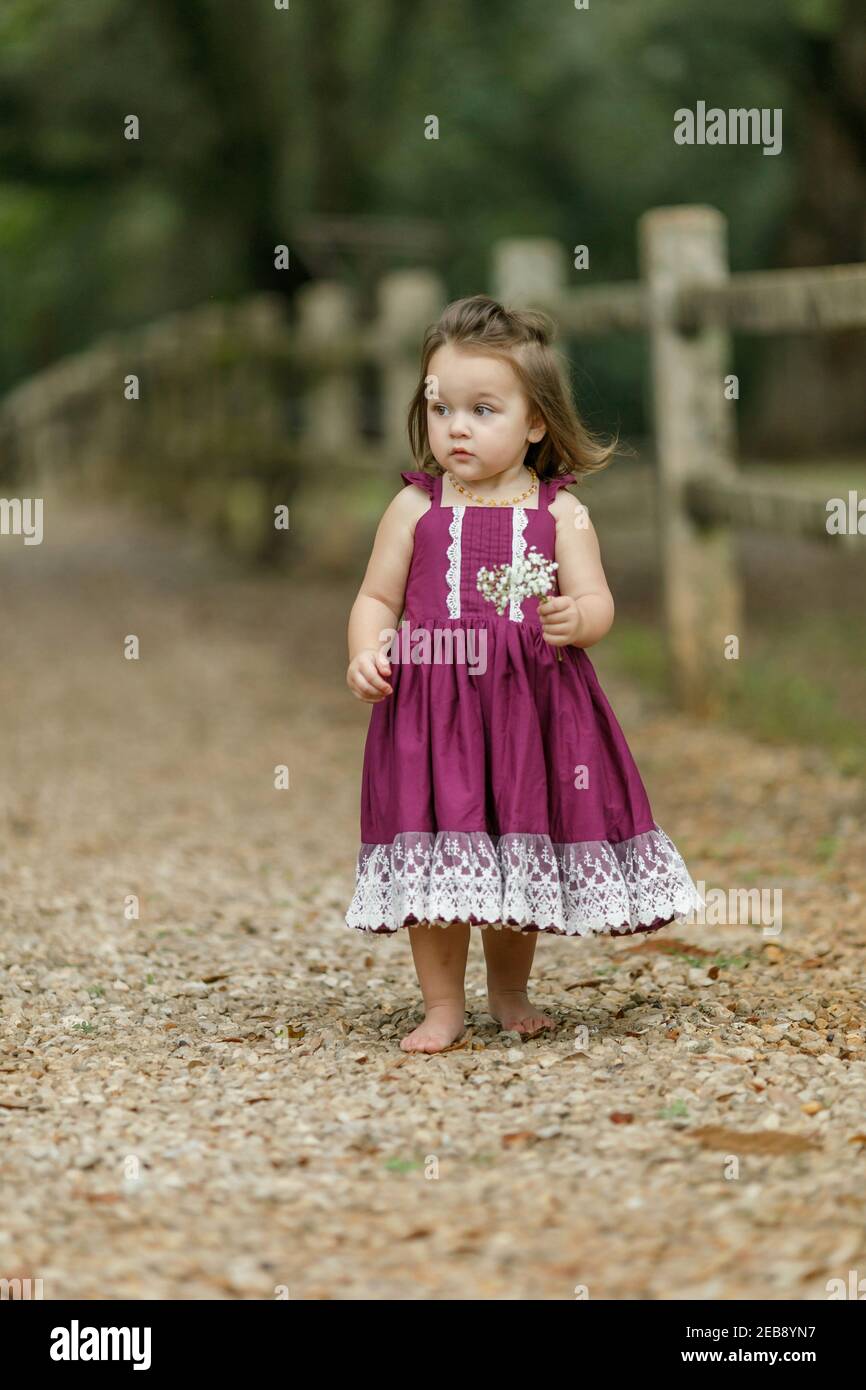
{"x": 531, "y": 577}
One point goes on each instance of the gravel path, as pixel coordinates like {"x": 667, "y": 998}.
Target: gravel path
{"x": 209, "y": 1100}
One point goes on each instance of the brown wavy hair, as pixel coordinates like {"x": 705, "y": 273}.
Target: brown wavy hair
{"x": 522, "y": 338}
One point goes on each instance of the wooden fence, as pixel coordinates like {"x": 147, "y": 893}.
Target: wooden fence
{"x": 234, "y": 405}
{"x": 185, "y": 414}
{"x": 688, "y": 304}
{"x": 218, "y": 414}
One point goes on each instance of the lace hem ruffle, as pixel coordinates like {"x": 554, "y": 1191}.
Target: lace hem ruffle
{"x": 522, "y": 881}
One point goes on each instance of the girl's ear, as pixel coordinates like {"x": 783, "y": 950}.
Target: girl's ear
{"x": 537, "y": 430}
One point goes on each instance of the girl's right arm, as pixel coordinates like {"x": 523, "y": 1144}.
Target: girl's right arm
{"x": 380, "y": 598}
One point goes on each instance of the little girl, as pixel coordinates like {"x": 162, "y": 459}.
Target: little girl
{"x": 498, "y": 789}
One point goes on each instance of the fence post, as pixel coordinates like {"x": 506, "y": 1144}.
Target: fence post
{"x": 408, "y": 301}
{"x": 326, "y": 313}
{"x": 694, "y": 436}
{"x": 527, "y": 270}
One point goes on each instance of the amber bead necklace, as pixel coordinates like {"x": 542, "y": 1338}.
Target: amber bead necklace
{"x": 491, "y": 501}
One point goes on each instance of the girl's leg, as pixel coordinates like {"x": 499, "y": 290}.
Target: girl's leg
{"x": 509, "y": 956}
{"x": 440, "y": 960}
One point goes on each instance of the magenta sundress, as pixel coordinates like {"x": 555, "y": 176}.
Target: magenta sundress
{"x": 498, "y": 788}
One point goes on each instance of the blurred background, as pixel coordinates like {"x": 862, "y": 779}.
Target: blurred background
{"x": 224, "y": 228}
{"x": 245, "y": 213}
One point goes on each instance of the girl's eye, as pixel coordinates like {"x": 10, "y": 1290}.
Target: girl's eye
{"x": 485, "y": 407}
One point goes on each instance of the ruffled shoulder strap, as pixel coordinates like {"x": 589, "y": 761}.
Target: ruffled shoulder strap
{"x": 554, "y": 484}
{"x": 422, "y": 480}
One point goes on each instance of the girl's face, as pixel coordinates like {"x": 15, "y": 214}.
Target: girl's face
{"x": 475, "y": 405}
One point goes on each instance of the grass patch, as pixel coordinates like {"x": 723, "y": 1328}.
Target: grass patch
{"x": 776, "y": 698}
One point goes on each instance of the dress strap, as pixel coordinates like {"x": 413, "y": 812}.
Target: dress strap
{"x": 554, "y": 484}
{"x": 422, "y": 480}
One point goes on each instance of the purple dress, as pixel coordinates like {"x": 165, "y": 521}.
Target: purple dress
{"x": 498, "y": 787}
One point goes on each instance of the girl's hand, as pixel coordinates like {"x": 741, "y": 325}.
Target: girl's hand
{"x": 561, "y": 619}
{"x": 366, "y": 675}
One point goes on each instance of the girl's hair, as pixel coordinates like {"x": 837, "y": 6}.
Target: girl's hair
{"x": 523, "y": 339}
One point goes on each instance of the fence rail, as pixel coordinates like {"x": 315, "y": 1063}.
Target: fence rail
{"x": 827, "y": 299}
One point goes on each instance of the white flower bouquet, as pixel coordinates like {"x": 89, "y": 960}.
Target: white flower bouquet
{"x": 532, "y": 577}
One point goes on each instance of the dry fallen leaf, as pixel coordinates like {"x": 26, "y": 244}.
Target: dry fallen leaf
{"x": 769, "y": 1141}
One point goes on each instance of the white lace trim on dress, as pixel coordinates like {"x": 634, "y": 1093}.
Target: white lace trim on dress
{"x": 518, "y": 552}
{"x": 591, "y": 887}
{"x": 453, "y": 553}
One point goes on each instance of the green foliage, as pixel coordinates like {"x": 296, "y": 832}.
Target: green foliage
{"x": 817, "y": 16}
{"x": 403, "y": 1165}
{"x": 552, "y": 121}
{"x": 677, "y": 1110}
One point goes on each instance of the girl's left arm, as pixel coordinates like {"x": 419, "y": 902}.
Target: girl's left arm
{"x": 583, "y": 612}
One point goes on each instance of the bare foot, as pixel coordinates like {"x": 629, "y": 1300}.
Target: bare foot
{"x": 443, "y": 1025}
{"x": 512, "y": 1010}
